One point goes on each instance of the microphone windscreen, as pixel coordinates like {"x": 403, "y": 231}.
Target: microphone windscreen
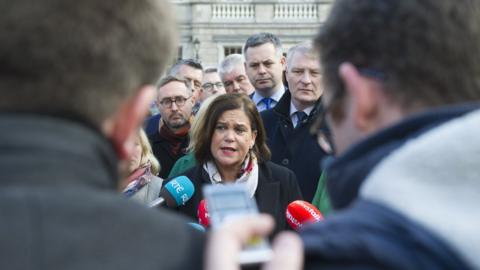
{"x": 197, "y": 227}
{"x": 300, "y": 213}
{"x": 202, "y": 214}
{"x": 181, "y": 189}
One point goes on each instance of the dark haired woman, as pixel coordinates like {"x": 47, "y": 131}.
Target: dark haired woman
{"x": 232, "y": 149}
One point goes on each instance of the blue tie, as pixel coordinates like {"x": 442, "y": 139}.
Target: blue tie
{"x": 267, "y": 102}
{"x": 301, "y": 116}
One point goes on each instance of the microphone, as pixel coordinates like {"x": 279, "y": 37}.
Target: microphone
{"x": 175, "y": 193}
{"x": 202, "y": 214}
{"x": 197, "y": 226}
{"x": 300, "y": 213}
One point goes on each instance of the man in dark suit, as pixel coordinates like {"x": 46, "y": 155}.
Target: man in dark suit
{"x": 75, "y": 86}
{"x": 264, "y": 64}
{"x": 288, "y": 124}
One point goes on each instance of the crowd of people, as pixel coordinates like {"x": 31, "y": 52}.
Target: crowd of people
{"x": 375, "y": 122}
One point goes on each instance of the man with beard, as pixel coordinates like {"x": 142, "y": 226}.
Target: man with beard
{"x": 192, "y": 72}
{"x": 264, "y": 66}
{"x": 175, "y": 103}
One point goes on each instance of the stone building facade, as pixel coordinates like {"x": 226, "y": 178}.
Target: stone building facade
{"x": 211, "y": 29}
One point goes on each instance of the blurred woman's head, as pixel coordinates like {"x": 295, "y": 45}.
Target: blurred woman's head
{"x": 143, "y": 155}
{"x": 232, "y": 129}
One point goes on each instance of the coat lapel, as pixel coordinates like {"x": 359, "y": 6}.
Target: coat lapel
{"x": 268, "y": 192}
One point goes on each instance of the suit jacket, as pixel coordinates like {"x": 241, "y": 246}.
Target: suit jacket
{"x": 294, "y": 148}
{"x": 59, "y": 207}
{"x": 277, "y": 187}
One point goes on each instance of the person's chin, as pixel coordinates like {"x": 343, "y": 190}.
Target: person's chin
{"x": 264, "y": 87}
{"x": 177, "y": 124}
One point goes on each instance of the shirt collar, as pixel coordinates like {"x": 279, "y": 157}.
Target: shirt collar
{"x": 294, "y": 109}
{"x": 257, "y": 98}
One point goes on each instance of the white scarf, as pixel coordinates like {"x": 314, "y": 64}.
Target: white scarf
{"x": 250, "y": 179}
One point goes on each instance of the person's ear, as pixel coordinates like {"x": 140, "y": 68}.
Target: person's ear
{"x": 254, "y": 137}
{"x": 121, "y": 128}
{"x": 363, "y": 93}
{"x": 283, "y": 62}
{"x": 193, "y": 100}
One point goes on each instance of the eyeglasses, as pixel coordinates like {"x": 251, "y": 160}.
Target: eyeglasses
{"x": 209, "y": 86}
{"x": 179, "y": 101}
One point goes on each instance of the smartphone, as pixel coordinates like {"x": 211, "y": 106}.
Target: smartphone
{"x": 227, "y": 201}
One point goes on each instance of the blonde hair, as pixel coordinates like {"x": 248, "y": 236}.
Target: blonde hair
{"x": 147, "y": 153}
{"x": 195, "y": 129}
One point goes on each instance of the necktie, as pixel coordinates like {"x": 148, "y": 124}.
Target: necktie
{"x": 267, "y": 102}
{"x": 301, "y": 116}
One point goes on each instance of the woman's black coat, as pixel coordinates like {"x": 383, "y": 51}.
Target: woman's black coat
{"x": 277, "y": 187}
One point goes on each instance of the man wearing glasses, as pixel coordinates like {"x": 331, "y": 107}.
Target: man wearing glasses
{"x": 175, "y": 103}
{"x": 212, "y": 84}
{"x": 192, "y": 72}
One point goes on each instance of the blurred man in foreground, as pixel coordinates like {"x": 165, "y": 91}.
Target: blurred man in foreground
{"x": 75, "y": 86}
{"x": 401, "y": 98}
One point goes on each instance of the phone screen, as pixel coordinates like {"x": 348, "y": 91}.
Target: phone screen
{"x": 226, "y": 201}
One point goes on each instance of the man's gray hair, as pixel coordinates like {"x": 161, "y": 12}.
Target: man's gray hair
{"x": 263, "y": 38}
{"x": 229, "y": 63}
{"x": 187, "y": 62}
{"x": 305, "y": 48}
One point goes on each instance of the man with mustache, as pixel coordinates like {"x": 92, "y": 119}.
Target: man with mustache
{"x": 288, "y": 124}
{"x": 264, "y": 64}
{"x": 192, "y": 72}
{"x": 175, "y": 102}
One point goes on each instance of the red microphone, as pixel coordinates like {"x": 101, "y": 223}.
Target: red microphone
{"x": 300, "y": 213}
{"x": 202, "y": 214}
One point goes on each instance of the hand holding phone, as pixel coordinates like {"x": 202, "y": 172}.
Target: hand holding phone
{"x": 227, "y": 202}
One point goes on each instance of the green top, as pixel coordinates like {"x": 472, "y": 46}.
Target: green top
{"x": 321, "y": 199}
{"x": 183, "y": 164}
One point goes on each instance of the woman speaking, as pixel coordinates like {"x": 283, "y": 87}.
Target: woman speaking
{"x": 232, "y": 149}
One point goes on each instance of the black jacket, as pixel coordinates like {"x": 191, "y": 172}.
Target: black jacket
{"x": 162, "y": 150}
{"x": 294, "y": 148}
{"x": 59, "y": 207}
{"x": 277, "y": 187}
{"x": 393, "y": 213}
